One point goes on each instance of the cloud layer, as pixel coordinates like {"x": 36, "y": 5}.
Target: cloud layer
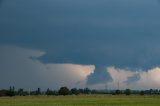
{"x": 20, "y": 67}
{"x": 120, "y": 33}
{"x": 141, "y": 79}
{"x": 77, "y": 32}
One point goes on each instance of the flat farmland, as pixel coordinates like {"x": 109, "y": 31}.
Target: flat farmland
{"x": 81, "y": 100}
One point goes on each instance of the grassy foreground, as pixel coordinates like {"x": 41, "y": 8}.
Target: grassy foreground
{"x": 90, "y": 100}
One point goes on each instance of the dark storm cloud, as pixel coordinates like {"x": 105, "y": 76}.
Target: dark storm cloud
{"x": 100, "y": 76}
{"x": 133, "y": 79}
{"x": 22, "y": 71}
{"x": 104, "y": 33}
{"x": 1, "y": 1}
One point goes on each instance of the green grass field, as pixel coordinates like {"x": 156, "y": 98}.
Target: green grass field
{"x": 90, "y": 100}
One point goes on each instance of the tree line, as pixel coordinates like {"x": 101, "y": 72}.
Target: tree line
{"x": 74, "y": 91}
{"x": 62, "y": 91}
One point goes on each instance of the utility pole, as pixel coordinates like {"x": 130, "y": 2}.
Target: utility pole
{"x": 118, "y": 85}
{"x": 106, "y": 88}
{"x": 29, "y": 91}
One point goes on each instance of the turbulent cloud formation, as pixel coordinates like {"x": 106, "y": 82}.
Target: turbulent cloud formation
{"x": 120, "y": 33}
{"x": 20, "y": 67}
{"x": 99, "y": 76}
{"x": 125, "y": 78}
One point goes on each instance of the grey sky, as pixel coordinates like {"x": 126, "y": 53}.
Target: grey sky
{"x": 120, "y": 33}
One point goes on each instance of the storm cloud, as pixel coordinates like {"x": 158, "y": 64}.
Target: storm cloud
{"x": 141, "y": 79}
{"x": 20, "y": 68}
{"x": 119, "y": 33}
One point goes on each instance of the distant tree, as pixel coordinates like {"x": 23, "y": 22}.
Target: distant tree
{"x": 87, "y": 91}
{"x": 93, "y": 91}
{"x": 20, "y": 92}
{"x": 50, "y": 92}
{"x": 3, "y": 92}
{"x": 142, "y": 93}
{"x": 11, "y": 91}
{"x": 33, "y": 93}
{"x": 156, "y": 91}
{"x": 117, "y": 92}
{"x": 38, "y": 92}
{"x": 74, "y": 91}
{"x": 128, "y": 92}
{"x": 151, "y": 91}
{"x": 63, "y": 91}
{"x": 81, "y": 91}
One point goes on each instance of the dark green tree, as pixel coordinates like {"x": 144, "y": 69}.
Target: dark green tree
{"x": 11, "y": 91}
{"x": 20, "y": 92}
{"x": 3, "y": 92}
{"x": 50, "y": 92}
{"x": 93, "y": 91}
{"x": 128, "y": 92}
{"x": 142, "y": 93}
{"x": 117, "y": 92}
{"x": 74, "y": 91}
{"x": 38, "y": 92}
{"x": 87, "y": 91}
{"x": 64, "y": 91}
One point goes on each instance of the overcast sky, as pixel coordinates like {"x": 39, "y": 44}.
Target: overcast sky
{"x": 80, "y": 43}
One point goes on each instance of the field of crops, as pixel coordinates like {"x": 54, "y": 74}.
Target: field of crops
{"x": 89, "y": 100}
